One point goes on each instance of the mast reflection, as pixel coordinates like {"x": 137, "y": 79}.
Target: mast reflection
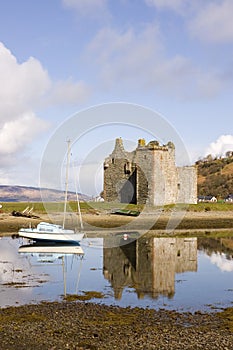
{"x": 47, "y": 253}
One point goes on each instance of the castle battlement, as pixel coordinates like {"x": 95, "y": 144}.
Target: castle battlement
{"x": 154, "y": 145}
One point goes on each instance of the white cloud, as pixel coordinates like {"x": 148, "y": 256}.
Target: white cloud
{"x": 175, "y": 5}
{"x": 21, "y": 170}
{"x": 22, "y": 85}
{"x": 17, "y": 133}
{"x": 223, "y": 144}
{"x": 90, "y": 8}
{"x": 210, "y": 84}
{"x": 209, "y": 21}
{"x": 213, "y": 22}
{"x": 137, "y": 58}
{"x": 21, "y": 90}
{"x": 24, "y": 88}
{"x": 183, "y": 8}
{"x": 69, "y": 92}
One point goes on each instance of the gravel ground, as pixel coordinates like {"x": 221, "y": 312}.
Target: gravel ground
{"x": 79, "y": 325}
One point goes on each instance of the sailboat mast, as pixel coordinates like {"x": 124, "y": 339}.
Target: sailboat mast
{"x": 66, "y": 183}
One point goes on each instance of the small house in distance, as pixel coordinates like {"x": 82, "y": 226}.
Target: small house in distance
{"x": 229, "y": 198}
{"x": 148, "y": 175}
{"x": 207, "y": 199}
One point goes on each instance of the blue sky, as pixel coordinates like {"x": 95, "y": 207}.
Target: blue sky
{"x": 60, "y": 57}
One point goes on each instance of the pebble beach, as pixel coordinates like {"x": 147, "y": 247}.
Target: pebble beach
{"x": 81, "y": 325}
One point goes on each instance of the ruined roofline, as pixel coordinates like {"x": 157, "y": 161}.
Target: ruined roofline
{"x": 119, "y": 151}
{"x": 154, "y": 145}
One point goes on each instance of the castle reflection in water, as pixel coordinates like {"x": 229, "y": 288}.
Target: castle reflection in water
{"x": 149, "y": 265}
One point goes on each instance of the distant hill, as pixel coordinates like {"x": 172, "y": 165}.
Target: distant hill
{"x": 33, "y": 194}
{"x": 215, "y": 176}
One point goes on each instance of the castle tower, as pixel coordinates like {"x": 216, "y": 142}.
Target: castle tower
{"x": 120, "y": 176}
{"x": 148, "y": 175}
{"x": 158, "y": 166}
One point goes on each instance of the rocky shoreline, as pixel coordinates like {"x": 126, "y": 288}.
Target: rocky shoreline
{"x": 81, "y": 325}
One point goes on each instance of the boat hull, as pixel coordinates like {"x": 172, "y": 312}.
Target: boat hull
{"x": 47, "y": 232}
{"x": 53, "y": 249}
{"x": 51, "y": 237}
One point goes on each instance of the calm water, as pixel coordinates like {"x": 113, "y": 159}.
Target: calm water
{"x": 185, "y": 274}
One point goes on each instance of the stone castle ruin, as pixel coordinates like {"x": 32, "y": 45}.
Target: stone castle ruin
{"x": 148, "y": 175}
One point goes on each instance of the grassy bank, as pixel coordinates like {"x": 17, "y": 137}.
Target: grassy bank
{"x": 92, "y": 207}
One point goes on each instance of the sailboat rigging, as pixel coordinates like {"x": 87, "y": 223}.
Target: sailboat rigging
{"x": 49, "y": 232}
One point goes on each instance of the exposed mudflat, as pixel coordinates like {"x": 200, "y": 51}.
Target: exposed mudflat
{"x": 156, "y": 221}
{"x": 70, "y": 325}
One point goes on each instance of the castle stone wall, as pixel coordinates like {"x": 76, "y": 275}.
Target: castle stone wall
{"x": 187, "y": 185}
{"x": 148, "y": 175}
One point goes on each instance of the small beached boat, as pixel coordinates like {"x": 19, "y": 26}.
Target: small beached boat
{"x": 126, "y": 212}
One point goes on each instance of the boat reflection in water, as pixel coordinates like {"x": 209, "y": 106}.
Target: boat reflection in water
{"x": 53, "y": 253}
{"x": 149, "y": 265}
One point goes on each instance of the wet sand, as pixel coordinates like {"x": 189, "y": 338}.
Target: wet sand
{"x": 153, "y": 221}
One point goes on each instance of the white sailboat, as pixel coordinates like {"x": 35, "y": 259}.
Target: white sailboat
{"x": 48, "y": 232}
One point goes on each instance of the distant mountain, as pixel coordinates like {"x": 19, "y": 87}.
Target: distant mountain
{"x": 33, "y": 194}
{"x": 215, "y": 176}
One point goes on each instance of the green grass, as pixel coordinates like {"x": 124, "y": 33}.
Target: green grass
{"x": 8, "y": 207}
{"x": 92, "y": 207}
{"x": 219, "y": 206}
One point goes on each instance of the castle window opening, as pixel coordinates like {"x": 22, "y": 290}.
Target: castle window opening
{"x": 127, "y": 167}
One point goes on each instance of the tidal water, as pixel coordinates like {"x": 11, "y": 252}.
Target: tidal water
{"x": 184, "y": 274}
